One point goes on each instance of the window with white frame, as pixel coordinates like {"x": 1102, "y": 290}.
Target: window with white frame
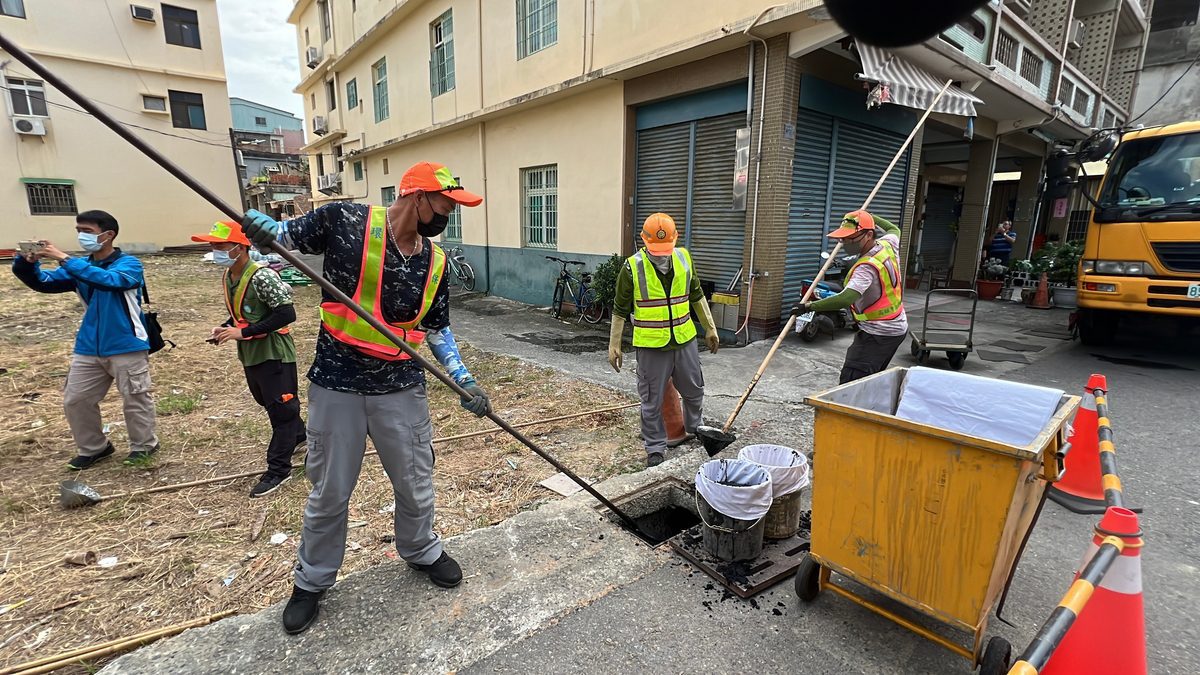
{"x": 539, "y": 206}
{"x": 358, "y": 170}
{"x": 325, "y": 19}
{"x": 441, "y": 54}
{"x": 28, "y": 97}
{"x": 154, "y": 103}
{"x": 352, "y": 94}
{"x": 537, "y": 26}
{"x": 14, "y": 8}
{"x": 454, "y": 225}
{"x": 387, "y": 195}
{"x": 379, "y": 89}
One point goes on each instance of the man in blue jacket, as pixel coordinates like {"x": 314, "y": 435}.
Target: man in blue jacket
{"x": 112, "y": 343}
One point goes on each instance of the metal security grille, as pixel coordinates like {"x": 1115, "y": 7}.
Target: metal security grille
{"x": 537, "y": 26}
{"x": 1031, "y": 67}
{"x": 454, "y": 225}
{"x": 1077, "y": 224}
{"x": 50, "y": 199}
{"x": 1006, "y": 50}
{"x": 441, "y": 57}
{"x": 539, "y": 206}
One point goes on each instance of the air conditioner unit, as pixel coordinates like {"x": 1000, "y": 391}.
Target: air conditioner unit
{"x": 1021, "y": 7}
{"x": 1077, "y": 34}
{"x": 320, "y": 127}
{"x": 312, "y": 56}
{"x": 330, "y": 183}
{"x": 29, "y": 126}
{"x": 142, "y": 13}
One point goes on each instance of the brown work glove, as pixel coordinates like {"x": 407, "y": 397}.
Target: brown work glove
{"x": 614, "y": 343}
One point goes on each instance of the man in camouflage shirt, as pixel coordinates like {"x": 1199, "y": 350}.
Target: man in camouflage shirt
{"x": 260, "y": 310}
{"x": 362, "y": 384}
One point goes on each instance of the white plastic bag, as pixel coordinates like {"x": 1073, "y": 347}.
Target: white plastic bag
{"x": 735, "y": 488}
{"x": 788, "y": 468}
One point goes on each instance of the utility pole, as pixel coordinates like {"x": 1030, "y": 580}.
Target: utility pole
{"x": 237, "y": 169}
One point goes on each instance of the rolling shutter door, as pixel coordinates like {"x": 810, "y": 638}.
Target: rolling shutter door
{"x": 937, "y": 237}
{"x": 807, "y": 221}
{"x": 662, "y": 175}
{"x": 718, "y": 232}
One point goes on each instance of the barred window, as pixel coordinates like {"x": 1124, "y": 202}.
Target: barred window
{"x": 454, "y": 226}
{"x": 1031, "y": 67}
{"x": 1006, "y": 50}
{"x": 539, "y": 206}
{"x": 537, "y": 26}
{"x": 441, "y": 56}
{"x": 51, "y": 199}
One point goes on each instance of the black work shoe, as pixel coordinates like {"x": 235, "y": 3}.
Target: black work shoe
{"x": 268, "y": 484}
{"x": 442, "y": 572}
{"x": 140, "y": 456}
{"x": 81, "y": 462}
{"x": 301, "y": 611}
{"x": 654, "y": 459}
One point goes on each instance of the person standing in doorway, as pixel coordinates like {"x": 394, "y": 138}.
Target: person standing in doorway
{"x": 663, "y": 332}
{"x": 365, "y": 386}
{"x": 1002, "y": 242}
{"x": 874, "y": 292}
{"x": 112, "y": 344}
{"x": 260, "y": 311}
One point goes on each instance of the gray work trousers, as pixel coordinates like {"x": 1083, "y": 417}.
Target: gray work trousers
{"x": 338, "y": 426}
{"x": 654, "y": 368}
{"x": 88, "y": 382}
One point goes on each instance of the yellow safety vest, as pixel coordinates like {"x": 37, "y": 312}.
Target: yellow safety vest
{"x": 346, "y": 326}
{"x": 234, "y": 302}
{"x": 890, "y": 302}
{"x": 655, "y": 314}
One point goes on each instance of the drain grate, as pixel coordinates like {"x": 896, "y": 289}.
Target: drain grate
{"x": 778, "y": 561}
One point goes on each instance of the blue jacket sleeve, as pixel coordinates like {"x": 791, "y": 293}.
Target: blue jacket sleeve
{"x": 33, "y": 276}
{"x": 125, "y": 273}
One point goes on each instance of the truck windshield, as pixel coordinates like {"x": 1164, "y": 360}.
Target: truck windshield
{"x": 1149, "y": 176}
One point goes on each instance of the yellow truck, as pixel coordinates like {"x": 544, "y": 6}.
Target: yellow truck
{"x": 1142, "y": 252}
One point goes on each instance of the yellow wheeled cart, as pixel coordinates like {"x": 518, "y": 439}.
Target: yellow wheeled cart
{"x": 927, "y": 517}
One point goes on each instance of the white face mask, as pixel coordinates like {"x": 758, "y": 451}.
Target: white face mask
{"x": 90, "y": 242}
{"x": 222, "y": 258}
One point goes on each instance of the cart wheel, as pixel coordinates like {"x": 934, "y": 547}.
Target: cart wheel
{"x": 923, "y": 356}
{"x": 807, "y": 582}
{"x": 995, "y": 657}
{"x": 914, "y": 348}
{"x": 957, "y": 359}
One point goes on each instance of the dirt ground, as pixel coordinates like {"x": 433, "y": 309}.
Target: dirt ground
{"x": 189, "y": 553}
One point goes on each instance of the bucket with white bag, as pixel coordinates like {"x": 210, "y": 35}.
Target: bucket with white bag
{"x": 733, "y": 497}
{"x": 789, "y": 477}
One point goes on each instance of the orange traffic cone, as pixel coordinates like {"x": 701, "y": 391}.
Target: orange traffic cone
{"x": 1109, "y": 636}
{"x": 1041, "y": 299}
{"x": 1080, "y": 489}
{"x": 672, "y": 412}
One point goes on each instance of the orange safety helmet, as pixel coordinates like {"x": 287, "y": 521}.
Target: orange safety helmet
{"x": 659, "y": 234}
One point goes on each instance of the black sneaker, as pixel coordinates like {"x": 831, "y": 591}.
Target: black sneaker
{"x": 140, "y": 456}
{"x": 268, "y": 484}
{"x": 81, "y": 462}
{"x": 442, "y": 572}
{"x": 654, "y": 459}
{"x": 301, "y": 611}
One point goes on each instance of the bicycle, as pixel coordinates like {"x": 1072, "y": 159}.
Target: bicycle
{"x": 460, "y": 268}
{"x": 584, "y": 298}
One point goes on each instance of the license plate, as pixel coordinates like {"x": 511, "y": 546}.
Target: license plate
{"x": 1194, "y": 291}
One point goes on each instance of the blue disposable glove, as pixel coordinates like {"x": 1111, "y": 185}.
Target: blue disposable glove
{"x": 478, "y": 404}
{"x": 260, "y": 228}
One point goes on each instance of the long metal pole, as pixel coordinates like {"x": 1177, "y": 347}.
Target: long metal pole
{"x": 787, "y": 327}
{"x": 236, "y": 214}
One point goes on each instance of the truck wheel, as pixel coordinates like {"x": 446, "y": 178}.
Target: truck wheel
{"x": 1097, "y": 328}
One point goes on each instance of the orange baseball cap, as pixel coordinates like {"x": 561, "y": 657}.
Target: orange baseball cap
{"x": 659, "y": 234}
{"x": 430, "y": 177}
{"x": 222, "y": 232}
{"x": 854, "y": 223}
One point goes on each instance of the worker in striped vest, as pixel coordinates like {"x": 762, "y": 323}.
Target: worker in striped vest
{"x": 873, "y": 291}
{"x": 663, "y": 333}
{"x": 260, "y": 311}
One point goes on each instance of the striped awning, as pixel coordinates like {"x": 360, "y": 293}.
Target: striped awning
{"x": 909, "y": 85}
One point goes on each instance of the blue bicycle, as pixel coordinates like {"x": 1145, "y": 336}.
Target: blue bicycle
{"x": 586, "y": 307}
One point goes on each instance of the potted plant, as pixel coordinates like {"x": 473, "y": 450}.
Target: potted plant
{"x": 604, "y": 281}
{"x": 1063, "y": 270}
{"x": 991, "y": 279}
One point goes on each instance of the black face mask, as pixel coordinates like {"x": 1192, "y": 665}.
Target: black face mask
{"x": 435, "y": 225}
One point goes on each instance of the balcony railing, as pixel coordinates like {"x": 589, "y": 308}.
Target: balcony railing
{"x": 1078, "y": 96}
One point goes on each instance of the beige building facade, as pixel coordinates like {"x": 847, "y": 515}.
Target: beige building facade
{"x": 155, "y": 67}
{"x": 745, "y": 120}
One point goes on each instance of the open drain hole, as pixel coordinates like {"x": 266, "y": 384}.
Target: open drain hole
{"x": 659, "y": 526}
{"x": 662, "y": 510}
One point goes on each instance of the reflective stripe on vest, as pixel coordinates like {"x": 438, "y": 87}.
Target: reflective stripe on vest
{"x": 890, "y": 303}
{"x": 234, "y": 304}
{"x": 657, "y": 315}
{"x": 346, "y": 326}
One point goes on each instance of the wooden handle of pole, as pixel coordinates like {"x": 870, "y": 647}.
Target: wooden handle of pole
{"x": 787, "y": 327}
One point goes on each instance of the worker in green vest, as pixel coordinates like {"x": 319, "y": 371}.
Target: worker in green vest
{"x": 663, "y": 332}
{"x": 260, "y": 311}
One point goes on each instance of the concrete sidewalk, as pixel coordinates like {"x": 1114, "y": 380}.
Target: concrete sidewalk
{"x": 565, "y": 590}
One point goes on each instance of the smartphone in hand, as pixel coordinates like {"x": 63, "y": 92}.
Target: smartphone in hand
{"x": 30, "y": 247}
